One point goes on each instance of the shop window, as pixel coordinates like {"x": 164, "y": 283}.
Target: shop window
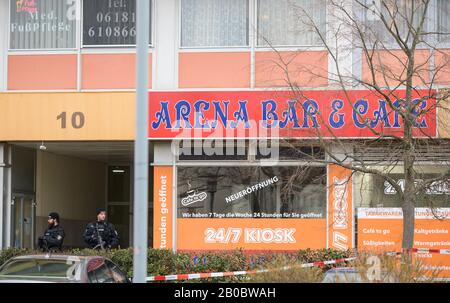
{"x": 214, "y": 23}
{"x": 252, "y": 192}
{"x": 283, "y": 22}
{"x": 294, "y": 153}
{"x": 212, "y": 150}
{"x": 110, "y": 23}
{"x": 443, "y": 20}
{"x": 42, "y": 24}
{"x": 373, "y": 191}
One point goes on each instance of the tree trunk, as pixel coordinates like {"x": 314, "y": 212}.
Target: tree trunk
{"x": 408, "y": 223}
{"x": 409, "y": 196}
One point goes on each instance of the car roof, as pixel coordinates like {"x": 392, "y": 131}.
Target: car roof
{"x": 54, "y": 257}
{"x": 25, "y": 281}
{"x": 343, "y": 270}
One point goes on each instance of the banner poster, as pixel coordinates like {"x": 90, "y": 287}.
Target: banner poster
{"x": 381, "y": 229}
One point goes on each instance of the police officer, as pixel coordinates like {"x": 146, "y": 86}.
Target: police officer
{"x": 101, "y": 234}
{"x": 54, "y": 235}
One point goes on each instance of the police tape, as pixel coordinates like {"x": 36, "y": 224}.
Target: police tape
{"x": 422, "y": 251}
{"x": 241, "y": 273}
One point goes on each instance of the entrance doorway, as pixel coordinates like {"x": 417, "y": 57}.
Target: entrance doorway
{"x": 23, "y": 210}
{"x": 119, "y": 198}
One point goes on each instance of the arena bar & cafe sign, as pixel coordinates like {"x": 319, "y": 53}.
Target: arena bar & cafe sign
{"x": 258, "y": 114}
{"x": 276, "y": 114}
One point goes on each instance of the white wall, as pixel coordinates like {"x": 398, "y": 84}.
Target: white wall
{"x": 72, "y": 187}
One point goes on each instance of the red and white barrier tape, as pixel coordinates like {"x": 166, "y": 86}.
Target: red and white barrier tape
{"x": 240, "y": 273}
{"x": 424, "y": 251}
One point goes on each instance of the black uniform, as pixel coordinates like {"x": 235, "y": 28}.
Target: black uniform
{"x": 53, "y": 238}
{"x": 101, "y": 235}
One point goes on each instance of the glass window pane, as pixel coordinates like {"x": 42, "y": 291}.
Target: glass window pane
{"x": 213, "y": 150}
{"x": 396, "y": 13}
{"x": 37, "y": 267}
{"x": 214, "y": 23}
{"x": 110, "y": 22}
{"x": 443, "y": 20}
{"x": 118, "y": 275}
{"x": 119, "y": 184}
{"x": 289, "y": 192}
{"x": 373, "y": 191}
{"x": 284, "y": 22}
{"x": 42, "y": 24}
{"x": 119, "y": 216}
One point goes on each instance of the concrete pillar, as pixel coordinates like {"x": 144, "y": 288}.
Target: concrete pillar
{"x": 166, "y": 43}
{"x": 339, "y": 39}
{"x": 5, "y": 195}
{"x": 165, "y": 77}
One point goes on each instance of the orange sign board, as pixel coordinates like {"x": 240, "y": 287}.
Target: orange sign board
{"x": 340, "y": 208}
{"x": 67, "y": 116}
{"x": 381, "y": 229}
{"x": 162, "y": 207}
{"x": 250, "y": 234}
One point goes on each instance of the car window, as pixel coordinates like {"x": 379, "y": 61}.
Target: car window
{"x": 98, "y": 272}
{"x": 342, "y": 277}
{"x": 118, "y": 275}
{"x": 38, "y": 268}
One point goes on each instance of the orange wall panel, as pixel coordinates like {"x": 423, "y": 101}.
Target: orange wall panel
{"x": 306, "y": 69}
{"x": 340, "y": 208}
{"x": 162, "y": 207}
{"x": 389, "y": 68}
{"x": 442, "y": 63}
{"x": 42, "y": 72}
{"x": 110, "y": 71}
{"x": 37, "y": 116}
{"x": 202, "y": 70}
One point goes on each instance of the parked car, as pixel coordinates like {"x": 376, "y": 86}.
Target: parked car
{"x": 353, "y": 275}
{"x": 61, "y": 268}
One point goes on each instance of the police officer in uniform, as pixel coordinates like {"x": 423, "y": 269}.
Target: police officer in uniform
{"x": 101, "y": 234}
{"x": 54, "y": 235}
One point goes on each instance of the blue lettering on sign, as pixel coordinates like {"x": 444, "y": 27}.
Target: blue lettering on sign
{"x": 310, "y": 109}
{"x": 189, "y": 115}
{"x": 398, "y": 105}
{"x": 241, "y": 115}
{"x": 380, "y": 115}
{"x": 200, "y": 107}
{"x": 162, "y": 116}
{"x": 219, "y": 113}
{"x": 336, "y": 106}
{"x": 290, "y": 115}
{"x": 183, "y": 109}
{"x": 361, "y": 106}
{"x": 419, "y": 106}
{"x": 269, "y": 114}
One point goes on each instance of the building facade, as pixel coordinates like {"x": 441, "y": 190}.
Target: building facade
{"x": 67, "y": 124}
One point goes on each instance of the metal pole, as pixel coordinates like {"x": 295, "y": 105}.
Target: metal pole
{"x": 2, "y": 194}
{"x": 141, "y": 145}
